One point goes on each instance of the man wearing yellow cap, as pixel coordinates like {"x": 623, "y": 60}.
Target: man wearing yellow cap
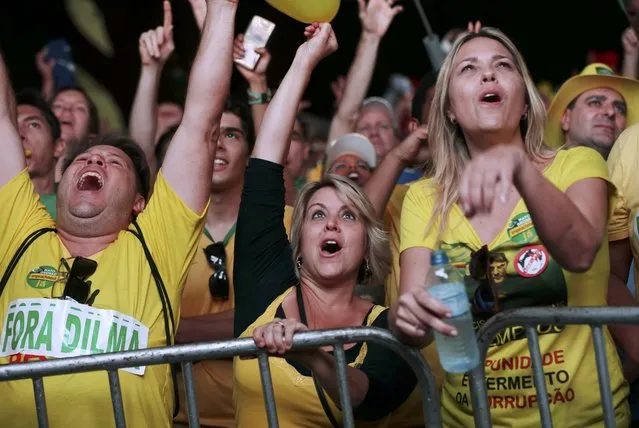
{"x": 592, "y": 109}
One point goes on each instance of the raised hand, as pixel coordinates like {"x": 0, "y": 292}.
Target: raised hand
{"x": 489, "y": 178}
{"x": 414, "y": 149}
{"x": 474, "y": 27}
{"x": 156, "y": 46}
{"x": 377, "y": 15}
{"x": 45, "y": 67}
{"x": 252, "y": 76}
{"x": 199, "y": 12}
{"x": 320, "y": 43}
{"x": 630, "y": 42}
{"x": 337, "y": 87}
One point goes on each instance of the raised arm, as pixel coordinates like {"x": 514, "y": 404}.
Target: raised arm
{"x": 275, "y": 134}
{"x": 12, "y": 159}
{"x": 156, "y": 46}
{"x": 413, "y": 150}
{"x": 188, "y": 167}
{"x": 375, "y": 17}
{"x": 256, "y": 79}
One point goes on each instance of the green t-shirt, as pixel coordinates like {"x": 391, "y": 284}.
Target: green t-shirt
{"x": 49, "y": 202}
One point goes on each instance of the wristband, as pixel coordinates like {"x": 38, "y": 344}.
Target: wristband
{"x": 259, "y": 98}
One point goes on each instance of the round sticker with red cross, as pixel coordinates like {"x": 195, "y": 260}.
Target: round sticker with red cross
{"x": 532, "y": 261}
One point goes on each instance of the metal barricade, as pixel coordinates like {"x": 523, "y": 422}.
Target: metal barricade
{"x": 186, "y": 354}
{"x": 530, "y": 318}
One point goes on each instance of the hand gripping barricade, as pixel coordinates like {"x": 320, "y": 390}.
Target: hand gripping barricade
{"x": 187, "y": 354}
{"x": 530, "y": 318}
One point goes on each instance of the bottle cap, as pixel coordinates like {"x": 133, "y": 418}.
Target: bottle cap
{"x": 438, "y": 257}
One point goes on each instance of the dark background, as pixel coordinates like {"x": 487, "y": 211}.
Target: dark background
{"x": 553, "y": 35}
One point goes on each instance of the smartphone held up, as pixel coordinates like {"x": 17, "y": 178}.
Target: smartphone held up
{"x": 256, "y": 37}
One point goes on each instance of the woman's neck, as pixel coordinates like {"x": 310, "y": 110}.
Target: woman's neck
{"x": 331, "y": 307}
{"x": 484, "y": 141}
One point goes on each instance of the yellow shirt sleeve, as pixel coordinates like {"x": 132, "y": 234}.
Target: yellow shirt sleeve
{"x": 580, "y": 163}
{"x": 21, "y": 213}
{"x": 172, "y": 231}
{"x": 416, "y": 212}
{"x": 620, "y": 166}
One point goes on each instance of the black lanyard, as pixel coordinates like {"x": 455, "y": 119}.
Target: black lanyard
{"x": 318, "y": 387}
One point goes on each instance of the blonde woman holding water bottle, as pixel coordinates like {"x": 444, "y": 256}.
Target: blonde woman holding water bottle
{"x": 523, "y": 225}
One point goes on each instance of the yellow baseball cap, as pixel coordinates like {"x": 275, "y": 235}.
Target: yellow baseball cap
{"x": 593, "y": 76}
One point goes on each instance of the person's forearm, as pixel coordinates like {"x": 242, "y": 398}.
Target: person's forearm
{"x": 357, "y": 84}
{"x": 12, "y": 160}
{"x": 381, "y": 184}
{"x": 47, "y": 90}
{"x": 629, "y": 68}
{"x": 569, "y": 236}
{"x": 258, "y": 110}
{"x": 625, "y": 336}
{"x": 206, "y": 328}
{"x": 274, "y": 138}
{"x": 143, "y": 120}
{"x": 210, "y": 77}
{"x": 324, "y": 367}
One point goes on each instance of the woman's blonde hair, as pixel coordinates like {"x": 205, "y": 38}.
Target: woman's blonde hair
{"x": 446, "y": 140}
{"x": 377, "y": 256}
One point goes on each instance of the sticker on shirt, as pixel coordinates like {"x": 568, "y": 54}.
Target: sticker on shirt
{"x": 44, "y": 277}
{"x": 532, "y": 261}
{"x": 56, "y": 328}
{"x": 521, "y": 229}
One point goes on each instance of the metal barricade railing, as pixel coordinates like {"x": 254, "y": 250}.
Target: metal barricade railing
{"x": 530, "y": 318}
{"x": 186, "y": 354}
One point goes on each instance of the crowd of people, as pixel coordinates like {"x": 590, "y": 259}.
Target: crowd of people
{"x": 237, "y": 217}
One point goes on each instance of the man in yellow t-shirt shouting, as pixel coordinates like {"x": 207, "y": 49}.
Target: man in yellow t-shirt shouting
{"x": 108, "y": 275}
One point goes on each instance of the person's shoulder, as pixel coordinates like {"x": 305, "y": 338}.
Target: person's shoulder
{"x": 626, "y": 148}
{"x": 424, "y": 189}
{"x": 580, "y": 157}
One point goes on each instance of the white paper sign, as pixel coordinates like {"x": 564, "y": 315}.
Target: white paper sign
{"x": 63, "y": 328}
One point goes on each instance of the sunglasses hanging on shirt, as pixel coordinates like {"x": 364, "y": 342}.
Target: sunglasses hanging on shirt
{"x": 77, "y": 287}
{"x": 215, "y": 253}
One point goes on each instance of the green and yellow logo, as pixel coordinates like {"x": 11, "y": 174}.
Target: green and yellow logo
{"x": 44, "y": 277}
{"x": 521, "y": 229}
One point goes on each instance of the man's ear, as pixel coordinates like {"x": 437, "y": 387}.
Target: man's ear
{"x": 565, "y": 120}
{"x": 138, "y": 205}
{"x": 59, "y": 146}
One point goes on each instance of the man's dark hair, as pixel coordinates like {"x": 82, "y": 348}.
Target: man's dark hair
{"x": 427, "y": 82}
{"x": 129, "y": 147}
{"x": 242, "y": 110}
{"x": 238, "y": 108}
{"x": 94, "y": 119}
{"x": 31, "y": 97}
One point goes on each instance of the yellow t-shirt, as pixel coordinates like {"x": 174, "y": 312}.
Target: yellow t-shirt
{"x": 213, "y": 378}
{"x": 623, "y": 165}
{"x": 526, "y": 275}
{"x": 126, "y": 285}
{"x": 411, "y": 413}
{"x": 298, "y": 405}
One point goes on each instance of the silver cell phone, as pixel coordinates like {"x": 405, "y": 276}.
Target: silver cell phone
{"x": 256, "y": 36}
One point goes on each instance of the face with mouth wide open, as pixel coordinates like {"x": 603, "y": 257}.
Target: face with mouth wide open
{"x": 99, "y": 186}
{"x": 486, "y": 92}
{"x": 334, "y": 238}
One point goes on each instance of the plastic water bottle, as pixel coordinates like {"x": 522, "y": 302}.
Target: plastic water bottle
{"x": 458, "y": 354}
